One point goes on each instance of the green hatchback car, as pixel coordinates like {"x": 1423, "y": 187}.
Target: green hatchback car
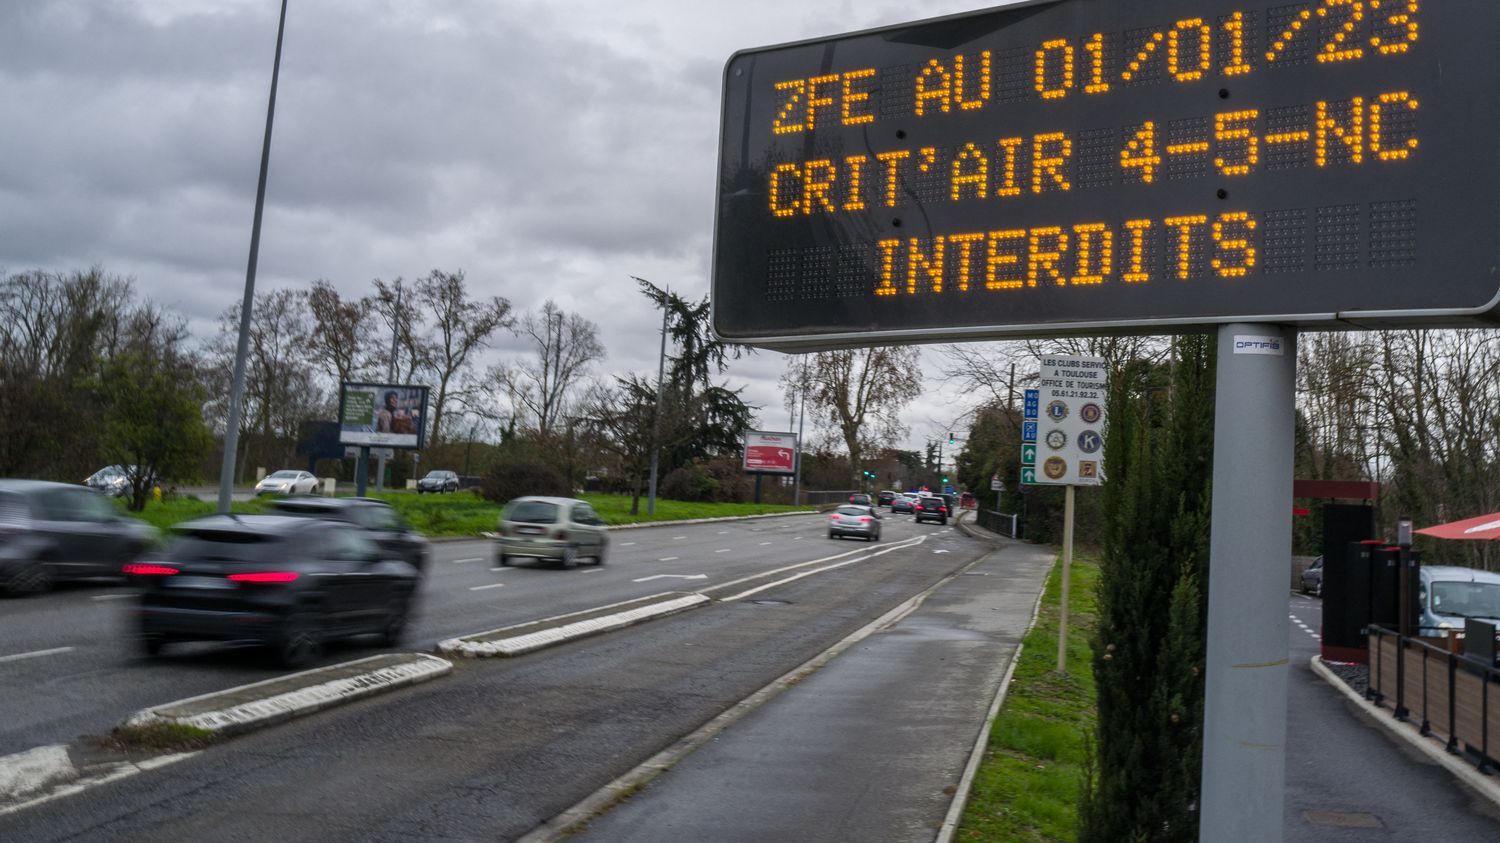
{"x": 559, "y": 530}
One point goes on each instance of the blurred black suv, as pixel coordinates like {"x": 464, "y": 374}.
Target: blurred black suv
{"x": 384, "y": 524}
{"x": 58, "y": 531}
{"x": 932, "y": 509}
{"x": 285, "y": 582}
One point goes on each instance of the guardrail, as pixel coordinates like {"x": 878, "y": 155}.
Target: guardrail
{"x": 1005, "y": 523}
{"x": 1448, "y": 692}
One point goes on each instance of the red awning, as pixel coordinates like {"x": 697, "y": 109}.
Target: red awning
{"x": 1483, "y": 527}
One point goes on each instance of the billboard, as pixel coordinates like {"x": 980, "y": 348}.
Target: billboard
{"x": 382, "y": 415}
{"x": 770, "y": 452}
{"x": 1069, "y": 167}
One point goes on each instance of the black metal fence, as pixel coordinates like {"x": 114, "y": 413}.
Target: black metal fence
{"x": 1004, "y": 523}
{"x": 1448, "y": 693}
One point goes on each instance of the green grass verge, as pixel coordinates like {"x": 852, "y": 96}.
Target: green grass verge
{"x": 1027, "y": 786}
{"x": 467, "y": 514}
{"x": 174, "y": 737}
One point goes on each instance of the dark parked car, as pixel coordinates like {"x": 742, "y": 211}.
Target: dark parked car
{"x": 438, "y": 481}
{"x": 285, "y": 582}
{"x": 58, "y": 531}
{"x": 384, "y": 524}
{"x": 1312, "y": 578}
{"x": 932, "y": 509}
{"x": 903, "y": 503}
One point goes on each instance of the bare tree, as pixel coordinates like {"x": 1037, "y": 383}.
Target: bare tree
{"x": 460, "y": 327}
{"x": 566, "y": 346}
{"x": 396, "y": 305}
{"x": 342, "y": 342}
{"x": 859, "y": 394}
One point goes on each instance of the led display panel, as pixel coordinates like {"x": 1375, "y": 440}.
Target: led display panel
{"x": 1102, "y": 166}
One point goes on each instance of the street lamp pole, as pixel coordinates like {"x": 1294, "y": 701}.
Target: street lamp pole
{"x": 661, "y": 374}
{"x": 237, "y": 385}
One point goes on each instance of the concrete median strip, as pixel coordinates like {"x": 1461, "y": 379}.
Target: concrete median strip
{"x": 283, "y": 698}
{"x": 527, "y": 637}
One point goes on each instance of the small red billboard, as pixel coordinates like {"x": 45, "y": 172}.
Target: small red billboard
{"x": 770, "y": 453}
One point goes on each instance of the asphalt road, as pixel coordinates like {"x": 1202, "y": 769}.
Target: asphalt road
{"x": 502, "y": 745}
{"x": 1348, "y": 779}
{"x": 69, "y": 668}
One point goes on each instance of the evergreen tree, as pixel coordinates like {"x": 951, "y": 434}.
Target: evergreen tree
{"x": 1149, "y": 641}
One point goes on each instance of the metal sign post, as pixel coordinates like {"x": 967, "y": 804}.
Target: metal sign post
{"x": 1244, "y": 716}
{"x": 1067, "y": 574}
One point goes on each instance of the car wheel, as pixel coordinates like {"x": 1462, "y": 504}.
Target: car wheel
{"x": 151, "y": 645}
{"x": 35, "y": 578}
{"x": 503, "y": 560}
{"x": 394, "y": 628}
{"x": 1319, "y": 591}
{"x": 301, "y": 640}
{"x": 570, "y": 557}
{"x": 832, "y": 534}
{"x": 599, "y": 556}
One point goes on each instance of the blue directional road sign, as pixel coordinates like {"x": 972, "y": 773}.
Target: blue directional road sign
{"x": 1033, "y": 404}
{"x": 1028, "y": 431}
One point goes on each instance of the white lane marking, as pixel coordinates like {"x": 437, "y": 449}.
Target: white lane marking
{"x": 669, "y": 559}
{"x": 496, "y": 570}
{"x": 594, "y": 571}
{"x": 722, "y": 550}
{"x": 467, "y": 561}
{"x": 673, "y": 577}
{"x": 941, "y": 551}
{"x": 627, "y": 544}
{"x": 797, "y": 538}
{"x": 800, "y": 575}
{"x": 723, "y": 532}
{"x": 111, "y": 596}
{"x": 678, "y": 538}
{"x": 35, "y": 654}
{"x": 108, "y": 773}
{"x": 763, "y": 544}
{"x": 483, "y": 587}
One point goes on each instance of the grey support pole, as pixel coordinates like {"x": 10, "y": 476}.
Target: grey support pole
{"x": 237, "y": 382}
{"x": 661, "y": 375}
{"x": 1244, "y": 719}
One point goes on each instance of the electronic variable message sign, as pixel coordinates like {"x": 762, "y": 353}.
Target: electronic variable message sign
{"x": 1104, "y": 166}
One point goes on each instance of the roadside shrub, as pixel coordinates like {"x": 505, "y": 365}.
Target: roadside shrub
{"x": 689, "y": 483}
{"x": 517, "y": 475}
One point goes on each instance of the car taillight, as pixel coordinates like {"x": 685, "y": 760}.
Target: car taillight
{"x": 864, "y": 520}
{"x": 265, "y": 577}
{"x": 147, "y": 569}
{"x": 943, "y": 509}
{"x": 833, "y": 518}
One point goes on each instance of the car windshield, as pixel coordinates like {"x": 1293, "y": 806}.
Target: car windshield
{"x": 1466, "y": 599}
{"x": 853, "y": 510}
{"x": 225, "y": 546}
{"x": 436, "y": 475}
{"x": 284, "y": 475}
{"x": 108, "y": 473}
{"x": 532, "y": 512}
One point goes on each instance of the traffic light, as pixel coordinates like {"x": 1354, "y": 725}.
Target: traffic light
{"x": 945, "y": 479}
{"x": 950, "y": 437}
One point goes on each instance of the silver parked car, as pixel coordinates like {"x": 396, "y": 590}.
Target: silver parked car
{"x": 1450, "y": 594}
{"x": 853, "y": 520}
{"x": 550, "y": 529}
{"x": 287, "y": 482}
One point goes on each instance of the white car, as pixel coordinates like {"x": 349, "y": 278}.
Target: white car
{"x": 287, "y": 482}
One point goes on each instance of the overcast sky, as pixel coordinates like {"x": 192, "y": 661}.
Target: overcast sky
{"x": 550, "y": 150}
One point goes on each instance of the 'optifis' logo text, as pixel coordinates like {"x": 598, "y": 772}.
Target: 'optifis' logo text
{"x": 1258, "y": 345}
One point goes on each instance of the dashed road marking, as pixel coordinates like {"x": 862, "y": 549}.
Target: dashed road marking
{"x": 627, "y": 544}
{"x": 678, "y": 538}
{"x": 763, "y": 544}
{"x": 35, "y": 654}
{"x": 483, "y": 587}
{"x": 669, "y": 559}
{"x": 722, "y": 550}
{"x": 723, "y": 532}
{"x": 594, "y": 571}
{"x": 672, "y": 576}
{"x": 467, "y": 561}
{"x": 111, "y": 596}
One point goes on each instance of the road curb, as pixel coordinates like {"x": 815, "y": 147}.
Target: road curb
{"x": 976, "y": 532}
{"x": 536, "y": 635}
{"x": 273, "y": 701}
{"x": 1478, "y": 782}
